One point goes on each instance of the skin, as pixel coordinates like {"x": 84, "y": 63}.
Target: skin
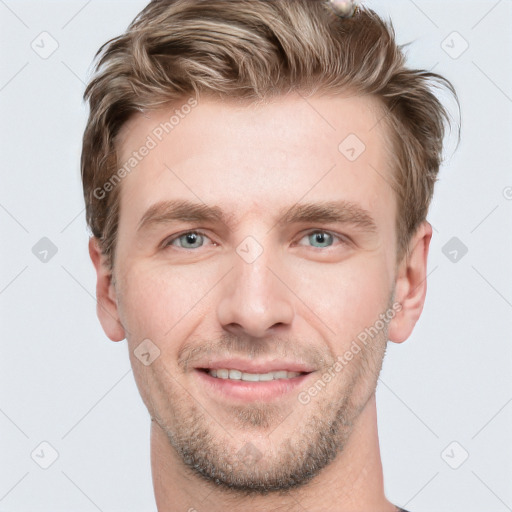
{"x": 301, "y": 299}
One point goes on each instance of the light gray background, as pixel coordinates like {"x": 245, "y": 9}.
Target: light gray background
{"x": 65, "y": 383}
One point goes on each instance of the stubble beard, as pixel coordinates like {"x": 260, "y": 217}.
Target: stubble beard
{"x": 208, "y": 450}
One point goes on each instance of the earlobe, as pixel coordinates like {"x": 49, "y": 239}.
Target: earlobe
{"x": 411, "y": 285}
{"x": 106, "y": 304}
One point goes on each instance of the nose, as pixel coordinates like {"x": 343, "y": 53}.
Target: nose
{"x": 255, "y": 300}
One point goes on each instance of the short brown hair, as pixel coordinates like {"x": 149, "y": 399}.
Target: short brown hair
{"x": 254, "y": 50}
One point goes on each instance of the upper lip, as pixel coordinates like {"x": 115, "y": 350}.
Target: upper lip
{"x": 254, "y": 366}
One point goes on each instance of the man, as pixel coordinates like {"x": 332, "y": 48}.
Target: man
{"x": 257, "y": 176}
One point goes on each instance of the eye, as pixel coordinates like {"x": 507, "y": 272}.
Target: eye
{"x": 322, "y": 238}
{"x": 188, "y": 240}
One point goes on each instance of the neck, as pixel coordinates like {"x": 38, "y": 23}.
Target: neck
{"x": 353, "y": 482}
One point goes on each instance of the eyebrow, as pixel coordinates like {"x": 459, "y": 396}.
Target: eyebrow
{"x": 344, "y": 212}
{"x": 164, "y": 212}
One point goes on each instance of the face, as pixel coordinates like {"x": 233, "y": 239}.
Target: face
{"x": 255, "y": 245}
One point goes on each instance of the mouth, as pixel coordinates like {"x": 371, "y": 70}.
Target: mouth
{"x": 233, "y": 374}
{"x": 248, "y": 381}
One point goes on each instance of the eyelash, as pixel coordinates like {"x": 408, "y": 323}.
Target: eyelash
{"x": 341, "y": 238}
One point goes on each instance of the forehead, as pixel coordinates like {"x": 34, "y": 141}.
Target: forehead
{"x": 243, "y": 156}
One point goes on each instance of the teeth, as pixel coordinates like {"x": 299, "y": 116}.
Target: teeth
{"x": 252, "y": 377}
{"x": 235, "y": 374}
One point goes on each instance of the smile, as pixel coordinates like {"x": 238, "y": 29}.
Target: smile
{"x": 231, "y": 374}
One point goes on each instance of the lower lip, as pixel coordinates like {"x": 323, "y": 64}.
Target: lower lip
{"x": 249, "y": 391}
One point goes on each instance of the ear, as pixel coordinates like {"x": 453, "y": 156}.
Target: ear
{"x": 411, "y": 285}
{"x": 106, "y": 301}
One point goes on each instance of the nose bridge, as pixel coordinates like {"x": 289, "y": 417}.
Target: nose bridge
{"x": 254, "y": 299}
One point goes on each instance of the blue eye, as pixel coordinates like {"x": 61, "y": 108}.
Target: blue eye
{"x": 190, "y": 240}
{"x": 321, "y": 239}
{"x": 195, "y": 239}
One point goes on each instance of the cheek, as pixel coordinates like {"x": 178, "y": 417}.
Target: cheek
{"x": 156, "y": 300}
{"x": 346, "y": 297}
{"x": 163, "y": 302}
